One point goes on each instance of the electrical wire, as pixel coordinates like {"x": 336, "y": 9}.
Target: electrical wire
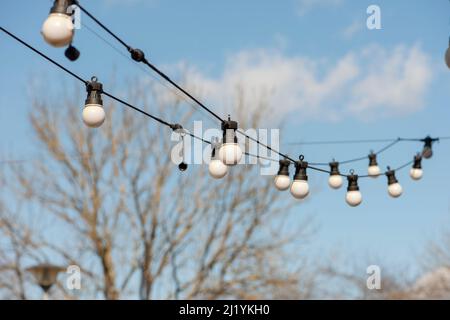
{"x": 113, "y": 97}
{"x": 149, "y": 64}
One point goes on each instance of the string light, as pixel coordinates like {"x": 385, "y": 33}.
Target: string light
{"x": 335, "y": 179}
{"x": 416, "y": 171}
{"x": 394, "y": 188}
{"x": 373, "y": 170}
{"x": 353, "y": 196}
{"x": 282, "y": 181}
{"x": 72, "y": 53}
{"x": 230, "y": 152}
{"x": 58, "y": 29}
{"x": 93, "y": 113}
{"x": 300, "y": 186}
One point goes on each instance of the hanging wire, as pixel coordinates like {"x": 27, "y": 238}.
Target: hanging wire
{"x": 172, "y": 126}
{"x": 149, "y": 64}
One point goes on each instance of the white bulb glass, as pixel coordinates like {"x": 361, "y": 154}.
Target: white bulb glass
{"x": 374, "y": 171}
{"x": 300, "y": 189}
{"x": 217, "y": 169}
{"x": 353, "y": 198}
{"x": 415, "y": 174}
{"x": 93, "y": 115}
{"x": 395, "y": 190}
{"x": 335, "y": 181}
{"x": 282, "y": 182}
{"x": 58, "y": 30}
{"x": 230, "y": 153}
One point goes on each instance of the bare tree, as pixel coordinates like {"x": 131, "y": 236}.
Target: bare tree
{"x": 111, "y": 201}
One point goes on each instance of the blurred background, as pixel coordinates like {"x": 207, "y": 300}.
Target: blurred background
{"x": 111, "y": 201}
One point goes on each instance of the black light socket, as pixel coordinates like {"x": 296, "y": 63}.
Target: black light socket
{"x": 427, "y": 151}
{"x": 391, "y": 176}
{"x": 284, "y": 168}
{"x": 372, "y": 159}
{"x": 229, "y": 127}
{"x": 94, "y": 90}
{"x": 300, "y": 170}
{"x": 334, "y": 168}
{"x": 417, "y": 162}
{"x": 60, "y": 6}
{"x": 137, "y": 55}
{"x": 352, "y": 182}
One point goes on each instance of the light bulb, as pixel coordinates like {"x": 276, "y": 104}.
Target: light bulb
{"x": 395, "y": 190}
{"x": 416, "y": 171}
{"x": 300, "y": 189}
{"x": 217, "y": 169}
{"x": 230, "y": 152}
{"x": 58, "y": 30}
{"x": 300, "y": 186}
{"x": 427, "y": 151}
{"x": 353, "y": 198}
{"x": 93, "y": 115}
{"x": 335, "y": 179}
{"x": 416, "y": 174}
{"x": 447, "y": 57}
{"x": 282, "y": 182}
{"x": 373, "y": 170}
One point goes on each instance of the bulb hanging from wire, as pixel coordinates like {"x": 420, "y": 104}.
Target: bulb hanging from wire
{"x": 395, "y": 190}
{"x": 58, "y": 29}
{"x": 416, "y": 171}
{"x": 373, "y": 170}
{"x": 217, "y": 169}
{"x": 93, "y": 113}
{"x": 230, "y": 152}
{"x": 335, "y": 179}
{"x": 427, "y": 151}
{"x": 300, "y": 187}
{"x": 282, "y": 180}
{"x": 353, "y": 196}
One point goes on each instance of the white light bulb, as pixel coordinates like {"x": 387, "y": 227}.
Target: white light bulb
{"x": 58, "y": 30}
{"x": 415, "y": 174}
{"x": 230, "y": 153}
{"x": 93, "y": 115}
{"x": 300, "y": 189}
{"x": 335, "y": 181}
{"x": 353, "y": 198}
{"x": 374, "y": 171}
{"x": 395, "y": 190}
{"x": 282, "y": 182}
{"x": 447, "y": 57}
{"x": 217, "y": 169}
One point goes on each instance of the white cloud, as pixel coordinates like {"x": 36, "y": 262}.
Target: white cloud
{"x": 367, "y": 84}
{"x": 353, "y": 28}
{"x": 305, "y": 6}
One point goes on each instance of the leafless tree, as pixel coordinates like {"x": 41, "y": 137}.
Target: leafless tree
{"x": 111, "y": 201}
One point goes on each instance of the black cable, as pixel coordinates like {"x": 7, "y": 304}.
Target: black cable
{"x": 149, "y": 64}
{"x": 339, "y": 142}
{"x": 43, "y": 55}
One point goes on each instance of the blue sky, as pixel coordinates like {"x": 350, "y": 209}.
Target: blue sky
{"x": 333, "y": 78}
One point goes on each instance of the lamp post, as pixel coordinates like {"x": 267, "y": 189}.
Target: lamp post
{"x": 45, "y": 276}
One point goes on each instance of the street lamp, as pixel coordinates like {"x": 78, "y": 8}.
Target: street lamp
{"x": 45, "y": 276}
